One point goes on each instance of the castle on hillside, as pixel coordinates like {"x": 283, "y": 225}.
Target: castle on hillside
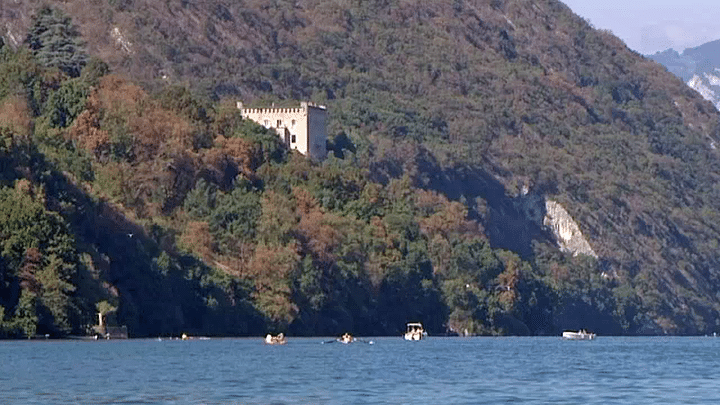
{"x": 300, "y": 128}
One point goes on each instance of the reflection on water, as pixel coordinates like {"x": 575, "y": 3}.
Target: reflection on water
{"x": 390, "y": 371}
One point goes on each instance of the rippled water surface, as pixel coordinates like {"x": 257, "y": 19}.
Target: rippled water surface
{"x": 531, "y": 370}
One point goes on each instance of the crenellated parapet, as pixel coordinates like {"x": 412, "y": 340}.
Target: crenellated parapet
{"x": 271, "y": 110}
{"x": 304, "y": 106}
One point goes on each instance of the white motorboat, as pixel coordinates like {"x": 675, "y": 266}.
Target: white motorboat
{"x": 415, "y": 331}
{"x": 579, "y": 335}
{"x": 280, "y": 339}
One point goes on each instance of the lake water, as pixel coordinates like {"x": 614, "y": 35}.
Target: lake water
{"x": 528, "y": 370}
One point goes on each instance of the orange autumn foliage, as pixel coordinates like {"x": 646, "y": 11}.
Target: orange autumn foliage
{"x": 449, "y": 218}
{"x": 116, "y": 102}
{"x": 118, "y": 92}
{"x": 15, "y": 116}
{"x": 31, "y": 266}
{"x": 155, "y": 128}
{"x": 508, "y": 281}
{"x": 229, "y": 157}
{"x": 322, "y": 232}
{"x": 197, "y": 238}
{"x": 270, "y": 269}
{"x": 86, "y": 131}
{"x": 304, "y": 201}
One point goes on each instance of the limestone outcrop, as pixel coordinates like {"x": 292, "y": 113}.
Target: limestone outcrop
{"x": 566, "y": 231}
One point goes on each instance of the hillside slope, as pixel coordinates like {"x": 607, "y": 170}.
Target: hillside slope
{"x": 501, "y": 105}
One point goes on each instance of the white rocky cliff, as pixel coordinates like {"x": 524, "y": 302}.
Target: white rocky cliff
{"x": 567, "y": 233}
{"x": 708, "y": 85}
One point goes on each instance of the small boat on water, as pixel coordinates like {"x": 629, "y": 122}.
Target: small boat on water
{"x": 280, "y": 339}
{"x": 415, "y": 331}
{"x": 579, "y": 335}
{"x": 346, "y": 338}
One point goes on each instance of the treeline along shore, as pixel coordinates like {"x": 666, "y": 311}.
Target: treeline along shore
{"x": 131, "y": 185}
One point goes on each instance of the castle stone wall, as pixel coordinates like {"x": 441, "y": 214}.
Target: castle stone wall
{"x": 300, "y": 128}
{"x": 317, "y": 139}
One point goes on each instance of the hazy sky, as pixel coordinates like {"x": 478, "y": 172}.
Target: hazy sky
{"x": 648, "y": 26}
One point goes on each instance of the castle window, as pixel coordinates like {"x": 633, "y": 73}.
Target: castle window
{"x": 292, "y": 139}
{"x": 293, "y": 123}
{"x": 279, "y": 123}
{"x": 267, "y": 124}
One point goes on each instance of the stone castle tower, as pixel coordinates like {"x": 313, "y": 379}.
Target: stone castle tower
{"x": 300, "y": 128}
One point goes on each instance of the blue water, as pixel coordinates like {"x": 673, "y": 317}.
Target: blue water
{"x": 533, "y": 370}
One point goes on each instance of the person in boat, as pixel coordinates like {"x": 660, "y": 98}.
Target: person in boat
{"x": 346, "y": 338}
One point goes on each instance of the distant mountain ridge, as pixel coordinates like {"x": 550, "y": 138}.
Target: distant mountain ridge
{"x": 699, "y": 67}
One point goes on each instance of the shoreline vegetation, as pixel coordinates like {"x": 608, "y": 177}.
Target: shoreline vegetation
{"x": 131, "y": 186}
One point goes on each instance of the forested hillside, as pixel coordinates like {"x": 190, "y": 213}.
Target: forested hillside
{"x": 132, "y": 186}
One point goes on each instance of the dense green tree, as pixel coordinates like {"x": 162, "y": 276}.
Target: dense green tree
{"x": 55, "y": 41}
{"x": 409, "y": 293}
{"x": 182, "y": 101}
{"x": 41, "y": 258}
{"x": 18, "y": 72}
{"x": 66, "y": 103}
{"x": 475, "y": 262}
{"x": 25, "y": 320}
{"x": 201, "y": 200}
{"x": 94, "y": 70}
{"x": 4, "y": 324}
{"x": 235, "y": 217}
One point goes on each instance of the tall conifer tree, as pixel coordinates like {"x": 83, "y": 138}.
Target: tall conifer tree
{"x": 55, "y": 42}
